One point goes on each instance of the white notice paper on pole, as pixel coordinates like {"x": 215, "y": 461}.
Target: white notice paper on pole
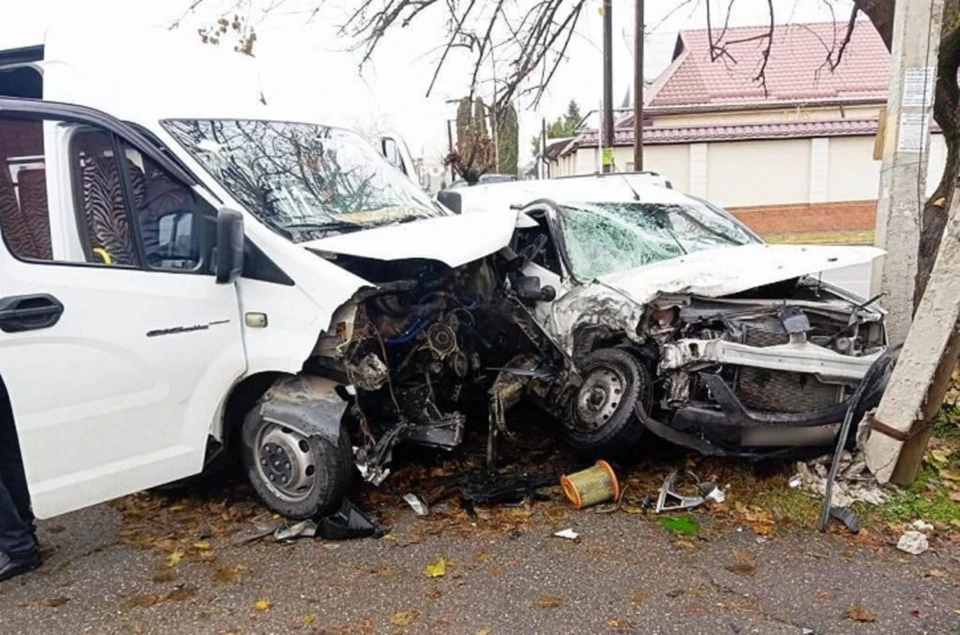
{"x": 918, "y": 85}
{"x": 913, "y": 133}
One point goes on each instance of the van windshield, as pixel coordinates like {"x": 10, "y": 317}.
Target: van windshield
{"x": 304, "y": 180}
{"x": 601, "y": 238}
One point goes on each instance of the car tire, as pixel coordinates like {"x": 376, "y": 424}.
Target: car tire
{"x": 320, "y": 471}
{"x": 601, "y": 420}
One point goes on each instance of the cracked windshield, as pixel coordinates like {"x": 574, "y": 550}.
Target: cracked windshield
{"x": 602, "y": 238}
{"x": 306, "y": 181}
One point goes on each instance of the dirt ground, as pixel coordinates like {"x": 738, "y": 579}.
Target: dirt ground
{"x": 153, "y": 563}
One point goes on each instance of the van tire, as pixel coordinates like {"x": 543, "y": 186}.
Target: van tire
{"x": 601, "y": 420}
{"x": 330, "y": 478}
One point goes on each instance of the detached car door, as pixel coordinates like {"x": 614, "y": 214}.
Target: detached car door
{"x": 116, "y": 344}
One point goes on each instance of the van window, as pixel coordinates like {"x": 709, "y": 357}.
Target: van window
{"x": 137, "y": 216}
{"x": 24, "y": 213}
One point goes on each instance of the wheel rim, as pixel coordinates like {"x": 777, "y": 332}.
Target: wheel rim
{"x": 599, "y": 397}
{"x": 285, "y": 462}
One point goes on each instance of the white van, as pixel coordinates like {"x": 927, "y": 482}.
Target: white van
{"x": 183, "y": 276}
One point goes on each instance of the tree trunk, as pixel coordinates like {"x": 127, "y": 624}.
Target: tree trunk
{"x": 946, "y": 112}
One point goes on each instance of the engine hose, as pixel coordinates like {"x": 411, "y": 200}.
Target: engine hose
{"x": 407, "y": 335}
{"x": 880, "y": 366}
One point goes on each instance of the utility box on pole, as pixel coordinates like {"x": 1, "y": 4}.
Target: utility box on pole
{"x": 906, "y": 149}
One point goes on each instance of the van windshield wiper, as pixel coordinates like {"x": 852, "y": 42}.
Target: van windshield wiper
{"x": 320, "y": 229}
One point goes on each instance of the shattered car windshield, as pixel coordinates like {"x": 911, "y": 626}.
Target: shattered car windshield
{"x": 601, "y": 238}
{"x": 303, "y": 180}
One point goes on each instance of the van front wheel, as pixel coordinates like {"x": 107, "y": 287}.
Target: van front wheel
{"x": 297, "y": 475}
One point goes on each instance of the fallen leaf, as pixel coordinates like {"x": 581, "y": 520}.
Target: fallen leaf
{"x": 437, "y": 569}
{"x": 825, "y": 595}
{"x": 404, "y": 618}
{"x": 56, "y": 529}
{"x": 174, "y": 558}
{"x": 164, "y": 575}
{"x": 177, "y": 508}
{"x": 486, "y": 630}
{"x": 940, "y": 455}
{"x": 383, "y": 571}
{"x": 182, "y": 595}
{"x": 262, "y": 605}
{"x": 307, "y": 620}
{"x": 55, "y": 602}
{"x": 549, "y": 602}
{"x": 933, "y": 573}
{"x": 226, "y": 574}
{"x": 857, "y": 613}
{"x": 743, "y": 556}
{"x": 482, "y": 556}
{"x": 742, "y": 568}
{"x": 689, "y": 545}
{"x": 497, "y": 570}
{"x": 202, "y": 545}
{"x": 616, "y": 622}
{"x": 950, "y": 475}
{"x": 433, "y": 593}
{"x": 141, "y": 601}
{"x": 638, "y": 597}
{"x": 955, "y": 497}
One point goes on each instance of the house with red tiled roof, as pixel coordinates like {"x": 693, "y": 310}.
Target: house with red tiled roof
{"x": 793, "y": 153}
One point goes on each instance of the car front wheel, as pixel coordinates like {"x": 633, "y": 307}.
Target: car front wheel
{"x": 297, "y": 475}
{"x": 601, "y": 420}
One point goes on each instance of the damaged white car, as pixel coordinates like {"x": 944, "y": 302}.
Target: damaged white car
{"x": 652, "y": 310}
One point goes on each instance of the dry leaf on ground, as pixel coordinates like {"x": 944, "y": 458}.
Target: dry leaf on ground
{"x": 857, "y": 613}
{"x": 55, "y": 602}
{"x": 549, "y": 602}
{"x": 742, "y": 568}
{"x": 174, "y": 558}
{"x": 307, "y": 620}
{"x": 436, "y": 569}
{"x": 181, "y": 595}
{"x": 261, "y": 605}
{"x": 825, "y": 595}
{"x": 166, "y": 575}
{"x": 404, "y": 618}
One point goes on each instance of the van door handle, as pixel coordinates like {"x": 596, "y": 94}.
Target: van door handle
{"x": 29, "y": 312}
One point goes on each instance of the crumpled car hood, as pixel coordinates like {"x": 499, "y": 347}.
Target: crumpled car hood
{"x": 725, "y": 271}
{"x": 452, "y": 240}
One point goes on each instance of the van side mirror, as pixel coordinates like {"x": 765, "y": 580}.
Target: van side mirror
{"x": 229, "y": 256}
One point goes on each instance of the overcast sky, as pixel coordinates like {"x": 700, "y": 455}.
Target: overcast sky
{"x": 303, "y": 61}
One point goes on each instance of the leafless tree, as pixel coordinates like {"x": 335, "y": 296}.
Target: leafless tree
{"x": 531, "y": 39}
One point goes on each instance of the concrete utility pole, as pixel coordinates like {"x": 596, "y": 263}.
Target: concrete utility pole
{"x": 638, "y": 88}
{"x": 906, "y": 149}
{"x": 606, "y": 158}
{"x": 903, "y": 422}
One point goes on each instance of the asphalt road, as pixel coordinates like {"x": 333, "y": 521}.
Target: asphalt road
{"x": 109, "y": 570}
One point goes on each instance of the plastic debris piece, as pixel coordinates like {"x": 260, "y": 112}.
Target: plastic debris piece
{"x": 568, "y": 533}
{"x": 715, "y": 493}
{"x": 795, "y": 481}
{"x": 348, "y": 523}
{"x": 922, "y": 526}
{"x": 913, "y": 542}
{"x": 505, "y": 488}
{"x": 302, "y": 529}
{"x": 847, "y": 517}
{"x": 417, "y": 504}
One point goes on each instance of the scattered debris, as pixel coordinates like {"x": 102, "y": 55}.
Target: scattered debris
{"x": 549, "y": 602}
{"x": 568, "y": 533}
{"x": 854, "y": 482}
{"x": 847, "y": 517}
{"x": 679, "y": 525}
{"x": 795, "y": 481}
{"x": 302, "y": 529}
{"x": 417, "y": 504}
{"x": 913, "y": 542}
{"x": 489, "y": 489}
{"x": 922, "y": 526}
{"x": 596, "y": 484}
{"x": 348, "y": 523}
{"x": 671, "y": 500}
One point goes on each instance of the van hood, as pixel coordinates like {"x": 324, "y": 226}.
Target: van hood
{"x": 719, "y": 272}
{"x": 453, "y": 240}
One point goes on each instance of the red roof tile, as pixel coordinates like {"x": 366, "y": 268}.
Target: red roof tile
{"x": 800, "y": 129}
{"x": 797, "y": 70}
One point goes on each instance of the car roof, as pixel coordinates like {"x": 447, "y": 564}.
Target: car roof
{"x": 609, "y": 188}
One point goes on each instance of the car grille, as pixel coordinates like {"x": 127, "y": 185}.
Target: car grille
{"x": 761, "y": 337}
{"x": 781, "y": 391}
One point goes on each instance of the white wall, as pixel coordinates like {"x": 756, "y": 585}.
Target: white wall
{"x": 747, "y": 173}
